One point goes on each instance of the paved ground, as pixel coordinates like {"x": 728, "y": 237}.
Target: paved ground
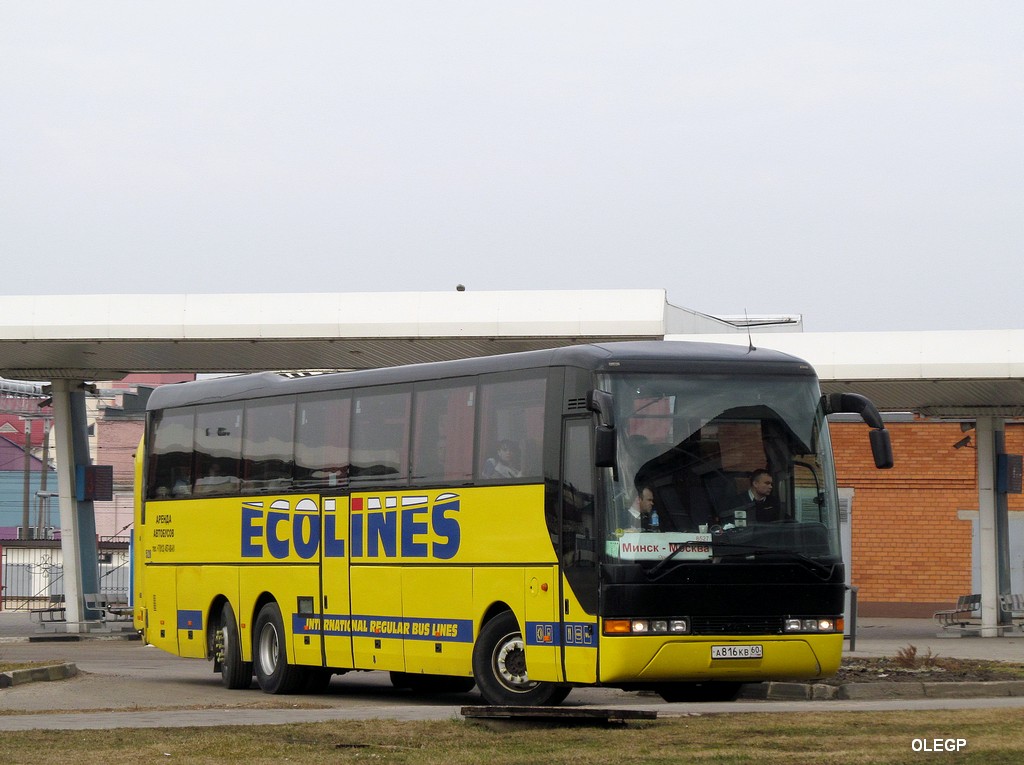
{"x": 884, "y": 637}
{"x": 120, "y": 682}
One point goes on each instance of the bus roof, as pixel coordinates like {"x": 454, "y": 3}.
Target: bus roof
{"x": 640, "y": 356}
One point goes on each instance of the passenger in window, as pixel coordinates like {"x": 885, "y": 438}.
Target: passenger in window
{"x": 182, "y": 487}
{"x": 506, "y": 464}
{"x": 216, "y": 482}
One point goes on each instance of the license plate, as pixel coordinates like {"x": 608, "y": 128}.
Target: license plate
{"x": 737, "y": 652}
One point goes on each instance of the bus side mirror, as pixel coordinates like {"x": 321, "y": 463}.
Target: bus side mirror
{"x": 601, "y": 403}
{"x": 881, "y": 448}
{"x": 854, "y": 403}
{"x": 604, "y": 447}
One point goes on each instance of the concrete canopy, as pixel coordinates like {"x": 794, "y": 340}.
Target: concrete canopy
{"x": 103, "y": 337}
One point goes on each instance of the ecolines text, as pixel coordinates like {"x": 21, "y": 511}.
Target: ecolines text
{"x": 392, "y": 527}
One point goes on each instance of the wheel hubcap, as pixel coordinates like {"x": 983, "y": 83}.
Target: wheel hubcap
{"x": 269, "y": 647}
{"x": 510, "y": 664}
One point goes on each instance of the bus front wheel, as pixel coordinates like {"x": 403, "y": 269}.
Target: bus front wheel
{"x": 234, "y": 673}
{"x": 270, "y": 656}
{"x": 499, "y": 666}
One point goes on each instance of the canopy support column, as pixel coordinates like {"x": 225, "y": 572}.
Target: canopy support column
{"x": 993, "y": 525}
{"x": 77, "y": 519}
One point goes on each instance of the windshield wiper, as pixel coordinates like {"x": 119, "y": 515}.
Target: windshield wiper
{"x": 663, "y": 562}
{"x": 824, "y": 570}
{"x": 751, "y": 551}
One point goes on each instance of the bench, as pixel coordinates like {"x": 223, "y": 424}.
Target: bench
{"x": 112, "y": 610}
{"x": 55, "y": 612}
{"x": 964, "y": 616}
{"x": 1013, "y": 605}
{"x": 119, "y": 611}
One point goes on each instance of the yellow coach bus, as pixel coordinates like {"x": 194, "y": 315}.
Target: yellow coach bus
{"x": 523, "y": 523}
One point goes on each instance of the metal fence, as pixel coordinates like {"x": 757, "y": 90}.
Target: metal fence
{"x": 32, "y": 572}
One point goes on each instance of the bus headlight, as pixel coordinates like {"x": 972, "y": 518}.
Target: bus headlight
{"x": 822, "y": 624}
{"x": 679, "y": 626}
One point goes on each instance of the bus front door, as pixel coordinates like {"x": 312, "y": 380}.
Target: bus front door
{"x": 578, "y": 524}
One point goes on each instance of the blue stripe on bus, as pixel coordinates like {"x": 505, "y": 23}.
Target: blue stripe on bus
{"x": 576, "y": 634}
{"x": 190, "y": 620}
{"x": 335, "y": 625}
{"x": 569, "y": 634}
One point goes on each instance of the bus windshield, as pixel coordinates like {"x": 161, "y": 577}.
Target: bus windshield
{"x": 719, "y": 468}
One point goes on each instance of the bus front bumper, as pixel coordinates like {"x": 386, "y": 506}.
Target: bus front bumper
{"x": 630, "y": 658}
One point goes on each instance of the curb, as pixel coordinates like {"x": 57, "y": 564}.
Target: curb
{"x": 67, "y": 637}
{"x": 773, "y": 691}
{"x": 37, "y": 674}
{"x": 881, "y": 691}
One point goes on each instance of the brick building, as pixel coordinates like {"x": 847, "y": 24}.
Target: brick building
{"x": 913, "y": 547}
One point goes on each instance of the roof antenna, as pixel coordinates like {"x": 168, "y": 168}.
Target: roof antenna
{"x": 750, "y": 339}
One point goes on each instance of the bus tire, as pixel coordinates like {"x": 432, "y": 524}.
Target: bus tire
{"x": 499, "y": 666}
{"x": 270, "y": 654}
{"x": 235, "y": 674}
{"x": 710, "y": 691}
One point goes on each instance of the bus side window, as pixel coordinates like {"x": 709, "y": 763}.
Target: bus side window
{"x": 218, "y": 449}
{"x": 443, "y": 434}
{"x": 579, "y": 530}
{"x": 380, "y": 437}
{"x": 267, "y": 447}
{"x": 512, "y": 421}
{"x": 322, "y": 441}
{"x": 170, "y": 454}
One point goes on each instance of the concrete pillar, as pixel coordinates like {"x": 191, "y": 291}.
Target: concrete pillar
{"x": 992, "y": 524}
{"x": 77, "y": 522}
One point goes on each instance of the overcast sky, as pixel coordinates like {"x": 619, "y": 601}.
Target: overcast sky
{"x": 859, "y": 163}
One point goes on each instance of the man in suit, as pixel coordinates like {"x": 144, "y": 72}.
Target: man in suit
{"x": 758, "y": 502}
{"x": 638, "y": 515}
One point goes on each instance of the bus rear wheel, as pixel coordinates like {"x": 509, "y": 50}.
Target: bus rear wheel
{"x": 234, "y": 673}
{"x": 270, "y": 655}
{"x": 499, "y": 666}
